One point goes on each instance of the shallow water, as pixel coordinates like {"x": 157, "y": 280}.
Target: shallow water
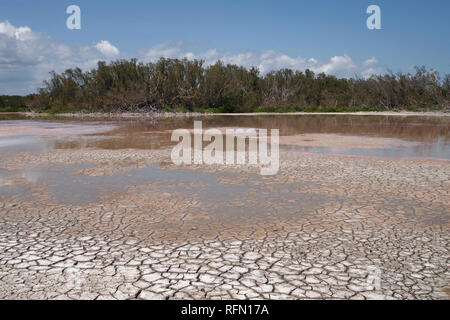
{"x": 224, "y": 201}
{"x": 394, "y": 136}
{"x": 230, "y": 198}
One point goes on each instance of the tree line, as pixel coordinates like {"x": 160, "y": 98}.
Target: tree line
{"x": 188, "y": 85}
{"x": 13, "y": 103}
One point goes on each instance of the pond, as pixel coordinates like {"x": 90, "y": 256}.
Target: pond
{"x": 373, "y": 135}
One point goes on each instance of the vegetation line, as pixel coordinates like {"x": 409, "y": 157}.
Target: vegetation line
{"x": 172, "y": 85}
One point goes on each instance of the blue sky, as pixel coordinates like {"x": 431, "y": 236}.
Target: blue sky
{"x": 328, "y": 35}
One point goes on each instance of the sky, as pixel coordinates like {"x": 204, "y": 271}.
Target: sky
{"x": 325, "y": 36}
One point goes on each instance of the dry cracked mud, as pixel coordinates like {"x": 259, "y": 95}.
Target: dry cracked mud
{"x": 128, "y": 224}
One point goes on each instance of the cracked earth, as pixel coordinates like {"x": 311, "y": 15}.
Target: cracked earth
{"x": 127, "y": 224}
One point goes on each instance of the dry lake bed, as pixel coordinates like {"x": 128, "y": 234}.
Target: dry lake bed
{"x": 96, "y": 210}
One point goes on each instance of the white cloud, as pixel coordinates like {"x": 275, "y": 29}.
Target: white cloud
{"x": 371, "y": 67}
{"x": 107, "y": 49}
{"x": 370, "y": 62}
{"x": 367, "y": 73}
{"x": 265, "y": 61}
{"x": 338, "y": 65}
{"x": 20, "y": 33}
{"x": 27, "y": 57}
{"x": 170, "y": 49}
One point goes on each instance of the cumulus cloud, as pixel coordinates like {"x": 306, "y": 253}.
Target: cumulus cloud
{"x": 371, "y": 67}
{"x": 370, "y": 62}
{"x": 338, "y": 65}
{"x": 266, "y": 61}
{"x": 27, "y": 57}
{"x": 20, "y": 33}
{"x": 169, "y": 49}
{"x": 107, "y": 49}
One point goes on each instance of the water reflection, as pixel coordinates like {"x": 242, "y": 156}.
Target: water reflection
{"x": 426, "y": 136}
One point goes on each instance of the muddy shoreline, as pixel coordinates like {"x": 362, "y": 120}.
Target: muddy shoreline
{"x": 163, "y": 115}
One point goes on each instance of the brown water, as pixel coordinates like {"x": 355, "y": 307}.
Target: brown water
{"x": 381, "y": 136}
